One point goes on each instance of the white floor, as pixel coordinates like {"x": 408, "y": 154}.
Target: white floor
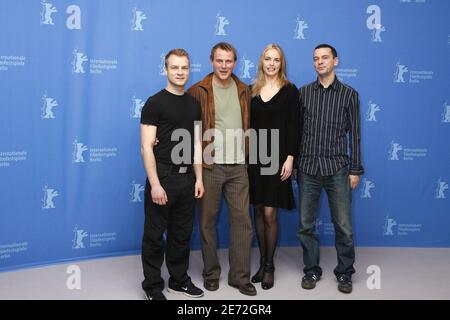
{"x": 405, "y": 273}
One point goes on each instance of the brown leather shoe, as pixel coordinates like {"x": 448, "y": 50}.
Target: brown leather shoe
{"x": 247, "y": 289}
{"x": 211, "y": 284}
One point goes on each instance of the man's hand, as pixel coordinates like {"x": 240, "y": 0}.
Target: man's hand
{"x": 159, "y": 195}
{"x": 354, "y": 180}
{"x": 199, "y": 189}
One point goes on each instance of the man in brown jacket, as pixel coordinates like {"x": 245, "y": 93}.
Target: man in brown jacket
{"x": 225, "y": 104}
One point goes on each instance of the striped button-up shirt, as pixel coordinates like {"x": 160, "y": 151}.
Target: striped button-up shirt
{"x": 327, "y": 115}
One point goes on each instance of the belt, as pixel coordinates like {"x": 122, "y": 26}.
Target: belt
{"x": 175, "y": 168}
{"x": 230, "y": 165}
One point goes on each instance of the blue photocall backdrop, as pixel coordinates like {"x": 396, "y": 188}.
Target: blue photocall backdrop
{"x": 75, "y": 74}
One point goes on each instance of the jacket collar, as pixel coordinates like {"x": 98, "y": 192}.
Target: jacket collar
{"x": 206, "y": 83}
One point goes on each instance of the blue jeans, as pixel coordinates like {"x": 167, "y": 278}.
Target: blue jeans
{"x": 339, "y": 195}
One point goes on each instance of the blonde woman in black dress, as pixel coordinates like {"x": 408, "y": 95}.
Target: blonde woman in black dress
{"x": 273, "y": 107}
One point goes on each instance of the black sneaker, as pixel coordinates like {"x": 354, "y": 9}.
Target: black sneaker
{"x": 155, "y": 295}
{"x": 309, "y": 281}
{"x": 345, "y": 283}
{"x": 188, "y": 289}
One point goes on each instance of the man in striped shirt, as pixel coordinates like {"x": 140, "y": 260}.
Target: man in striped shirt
{"x": 329, "y": 113}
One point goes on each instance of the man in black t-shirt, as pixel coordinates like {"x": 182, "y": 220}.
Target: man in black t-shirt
{"x": 174, "y": 180}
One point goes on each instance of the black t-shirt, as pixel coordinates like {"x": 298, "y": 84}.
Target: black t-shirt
{"x": 169, "y": 112}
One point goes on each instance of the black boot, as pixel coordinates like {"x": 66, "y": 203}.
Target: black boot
{"x": 269, "y": 275}
{"x": 260, "y": 273}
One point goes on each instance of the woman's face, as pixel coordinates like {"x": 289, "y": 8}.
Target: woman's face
{"x": 271, "y": 63}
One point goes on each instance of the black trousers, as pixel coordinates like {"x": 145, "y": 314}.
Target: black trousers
{"x": 177, "y": 217}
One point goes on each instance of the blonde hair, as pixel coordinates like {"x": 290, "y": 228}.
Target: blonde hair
{"x": 176, "y": 52}
{"x": 260, "y": 80}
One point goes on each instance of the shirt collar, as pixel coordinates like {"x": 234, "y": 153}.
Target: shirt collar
{"x": 334, "y": 85}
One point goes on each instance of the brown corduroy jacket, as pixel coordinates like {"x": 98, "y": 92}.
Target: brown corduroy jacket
{"x": 202, "y": 91}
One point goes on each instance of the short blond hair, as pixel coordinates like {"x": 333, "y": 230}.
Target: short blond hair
{"x": 224, "y": 46}
{"x": 176, "y": 52}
